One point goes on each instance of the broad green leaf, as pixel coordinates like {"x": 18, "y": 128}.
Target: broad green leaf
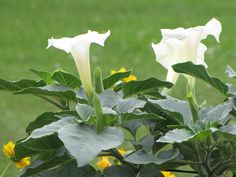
{"x": 119, "y": 171}
{"x": 143, "y": 157}
{"x": 45, "y": 76}
{"x": 176, "y": 135}
{"x": 47, "y": 118}
{"x": 109, "y": 98}
{"x": 69, "y": 169}
{"x": 145, "y": 86}
{"x": 150, "y": 172}
{"x": 230, "y": 72}
{"x": 147, "y": 143}
{"x": 231, "y": 129}
{"x": 66, "y": 79}
{"x": 175, "y": 107}
{"x": 129, "y": 105}
{"x": 36, "y": 146}
{"x": 109, "y": 81}
{"x": 84, "y": 144}
{"x": 51, "y": 128}
{"x": 220, "y": 113}
{"x": 139, "y": 116}
{"x": 200, "y": 72}
{"x": 43, "y": 164}
{"x": 85, "y": 111}
{"x": 19, "y": 85}
{"x": 55, "y": 91}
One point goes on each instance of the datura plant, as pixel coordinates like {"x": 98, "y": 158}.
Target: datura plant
{"x": 118, "y": 125}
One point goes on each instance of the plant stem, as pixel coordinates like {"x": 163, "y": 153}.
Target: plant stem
{"x": 5, "y": 170}
{"x": 54, "y": 103}
{"x": 182, "y": 171}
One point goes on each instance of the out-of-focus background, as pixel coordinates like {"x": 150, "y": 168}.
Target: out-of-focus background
{"x": 25, "y": 27}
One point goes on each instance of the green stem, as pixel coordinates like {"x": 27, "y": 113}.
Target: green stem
{"x": 192, "y": 102}
{"x": 5, "y": 170}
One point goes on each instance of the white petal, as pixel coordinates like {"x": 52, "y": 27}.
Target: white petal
{"x": 178, "y": 33}
{"x": 64, "y": 43}
{"x": 167, "y": 52}
{"x": 213, "y": 27}
{"x": 201, "y": 53}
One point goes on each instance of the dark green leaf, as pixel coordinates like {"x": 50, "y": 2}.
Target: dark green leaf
{"x": 66, "y": 79}
{"x": 200, "y": 72}
{"x": 19, "y": 85}
{"x": 139, "y": 116}
{"x": 150, "y": 172}
{"x": 143, "y": 157}
{"x": 144, "y": 86}
{"x": 119, "y": 171}
{"x": 109, "y": 98}
{"x": 36, "y": 146}
{"x": 84, "y": 143}
{"x": 43, "y": 75}
{"x": 55, "y": 91}
{"x": 109, "y": 81}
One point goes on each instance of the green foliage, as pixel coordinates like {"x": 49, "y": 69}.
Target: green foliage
{"x": 161, "y": 132}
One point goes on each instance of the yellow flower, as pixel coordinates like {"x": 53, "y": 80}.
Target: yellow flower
{"x": 130, "y": 78}
{"x": 122, "y": 151}
{"x": 127, "y": 79}
{"x": 167, "y": 174}
{"x": 8, "y": 149}
{"x": 23, "y": 163}
{"x": 103, "y": 163}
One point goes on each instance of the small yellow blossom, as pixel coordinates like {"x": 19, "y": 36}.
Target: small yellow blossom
{"x": 122, "y": 151}
{"x": 8, "y": 149}
{"x": 130, "y": 78}
{"x": 23, "y": 163}
{"x": 127, "y": 79}
{"x": 167, "y": 174}
{"x": 103, "y": 163}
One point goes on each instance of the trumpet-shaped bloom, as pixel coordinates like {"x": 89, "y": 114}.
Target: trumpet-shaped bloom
{"x": 182, "y": 45}
{"x": 79, "y": 48}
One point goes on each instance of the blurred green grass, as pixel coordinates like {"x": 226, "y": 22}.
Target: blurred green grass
{"x": 26, "y": 25}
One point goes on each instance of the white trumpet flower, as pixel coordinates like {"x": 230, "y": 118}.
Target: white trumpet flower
{"x": 182, "y": 45}
{"x": 79, "y": 47}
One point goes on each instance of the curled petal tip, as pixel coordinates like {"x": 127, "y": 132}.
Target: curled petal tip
{"x": 50, "y": 42}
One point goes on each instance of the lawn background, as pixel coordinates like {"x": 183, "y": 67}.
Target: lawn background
{"x": 25, "y": 26}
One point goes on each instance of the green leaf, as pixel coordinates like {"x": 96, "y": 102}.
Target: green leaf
{"x": 220, "y": 113}
{"x": 51, "y": 128}
{"x": 36, "y": 146}
{"x": 145, "y": 86}
{"x": 68, "y": 170}
{"x": 129, "y": 105}
{"x": 150, "y": 172}
{"x": 230, "y": 129}
{"x": 41, "y": 163}
{"x": 47, "y": 118}
{"x": 109, "y": 81}
{"x": 109, "y": 98}
{"x": 119, "y": 171}
{"x": 85, "y": 111}
{"x": 143, "y": 157}
{"x": 200, "y": 72}
{"x": 84, "y": 144}
{"x": 66, "y": 79}
{"x": 176, "y": 135}
{"x": 43, "y": 75}
{"x": 19, "y": 85}
{"x": 139, "y": 116}
{"x": 230, "y": 72}
{"x": 176, "y": 108}
{"x": 55, "y": 91}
